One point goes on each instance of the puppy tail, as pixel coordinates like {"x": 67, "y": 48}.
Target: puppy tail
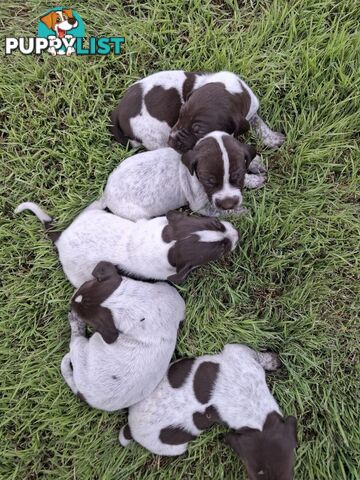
{"x": 44, "y": 218}
{"x": 125, "y": 437}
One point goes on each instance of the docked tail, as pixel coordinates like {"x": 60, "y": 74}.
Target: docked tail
{"x": 125, "y": 435}
{"x": 41, "y": 215}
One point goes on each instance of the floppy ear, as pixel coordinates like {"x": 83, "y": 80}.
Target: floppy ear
{"x": 105, "y": 326}
{"x": 241, "y": 126}
{"x": 173, "y": 215}
{"x": 190, "y": 161}
{"x": 232, "y": 439}
{"x": 291, "y": 425}
{"x": 181, "y": 275}
{"x": 49, "y": 20}
{"x": 103, "y": 271}
{"x": 249, "y": 154}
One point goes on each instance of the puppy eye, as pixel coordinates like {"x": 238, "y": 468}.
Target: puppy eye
{"x": 212, "y": 182}
{"x": 236, "y": 177}
{"x": 58, "y": 19}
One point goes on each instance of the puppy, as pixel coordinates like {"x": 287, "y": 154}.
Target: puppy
{"x": 228, "y": 389}
{"x": 178, "y": 108}
{"x": 135, "y": 335}
{"x": 163, "y": 248}
{"x": 210, "y": 178}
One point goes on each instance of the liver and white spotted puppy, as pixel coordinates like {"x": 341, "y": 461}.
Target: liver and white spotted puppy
{"x": 230, "y": 389}
{"x": 178, "y": 108}
{"x": 163, "y": 248}
{"x": 135, "y": 327}
{"x": 210, "y": 178}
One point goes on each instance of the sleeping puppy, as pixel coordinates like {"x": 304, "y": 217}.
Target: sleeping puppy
{"x": 163, "y": 248}
{"x": 135, "y": 335}
{"x": 210, "y": 178}
{"x": 228, "y": 389}
{"x": 177, "y": 108}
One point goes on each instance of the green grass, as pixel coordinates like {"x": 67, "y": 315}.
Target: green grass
{"x": 292, "y": 285}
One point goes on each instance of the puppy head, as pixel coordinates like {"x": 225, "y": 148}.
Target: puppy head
{"x": 60, "y": 21}
{"x": 87, "y": 300}
{"x": 198, "y": 240}
{"x": 209, "y": 108}
{"x": 269, "y": 453}
{"x": 220, "y": 163}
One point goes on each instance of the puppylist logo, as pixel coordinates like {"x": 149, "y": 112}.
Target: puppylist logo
{"x": 61, "y": 31}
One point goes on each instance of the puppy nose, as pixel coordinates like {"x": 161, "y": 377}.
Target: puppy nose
{"x": 227, "y": 203}
{"x": 72, "y": 20}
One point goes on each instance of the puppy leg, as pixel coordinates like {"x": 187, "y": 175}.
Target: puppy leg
{"x": 77, "y": 326}
{"x": 125, "y": 435}
{"x": 254, "y": 181}
{"x": 68, "y": 373}
{"x": 257, "y": 166}
{"x": 268, "y": 136}
{"x": 268, "y": 360}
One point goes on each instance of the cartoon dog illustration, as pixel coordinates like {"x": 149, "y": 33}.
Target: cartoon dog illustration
{"x": 60, "y": 21}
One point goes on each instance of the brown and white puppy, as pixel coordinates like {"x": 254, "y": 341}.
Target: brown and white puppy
{"x": 229, "y": 389}
{"x": 163, "y": 248}
{"x": 210, "y": 179}
{"x": 135, "y": 325}
{"x": 179, "y": 108}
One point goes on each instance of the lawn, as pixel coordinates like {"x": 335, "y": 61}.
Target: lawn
{"x": 291, "y": 286}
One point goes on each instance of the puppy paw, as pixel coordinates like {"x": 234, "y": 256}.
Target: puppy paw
{"x": 237, "y": 211}
{"x": 274, "y": 139}
{"x": 257, "y": 166}
{"x": 76, "y": 324}
{"x": 269, "y": 360}
{"x": 254, "y": 181}
{"x": 125, "y": 435}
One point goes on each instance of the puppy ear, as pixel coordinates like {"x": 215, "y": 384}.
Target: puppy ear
{"x": 232, "y": 439}
{"x": 241, "y": 126}
{"x": 103, "y": 271}
{"x": 249, "y": 154}
{"x": 291, "y": 424}
{"x": 106, "y": 327}
{"x": 181, "y": 275}
{"x": 49, "y": 20}
{"x": 190, "y": 161}
{"x": 68, "y": 13}
{"x": 174, "y": 215}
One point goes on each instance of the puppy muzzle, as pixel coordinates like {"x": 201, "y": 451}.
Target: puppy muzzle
{"x": 228, "y": 203}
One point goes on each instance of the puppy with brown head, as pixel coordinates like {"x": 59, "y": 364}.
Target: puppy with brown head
{"x": 135, "y": 326}
{"x": 220, "y": 163}
{"x": 178, "y": 108}
{"x": 162, "y": 248}
{"x": 228, "y": 389}
{"x": 268, "y": 453}
{"x": 210, "y": 178}
{"x": 211, "y": 107}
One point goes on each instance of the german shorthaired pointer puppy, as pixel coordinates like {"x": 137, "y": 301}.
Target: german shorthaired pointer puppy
{"x": 135, "y": 335}
{"x": 163, "y": 248}
{"x": 180, "y": 108}
{"x": 210, "y": 178}
{"x": 228, "y": 389}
